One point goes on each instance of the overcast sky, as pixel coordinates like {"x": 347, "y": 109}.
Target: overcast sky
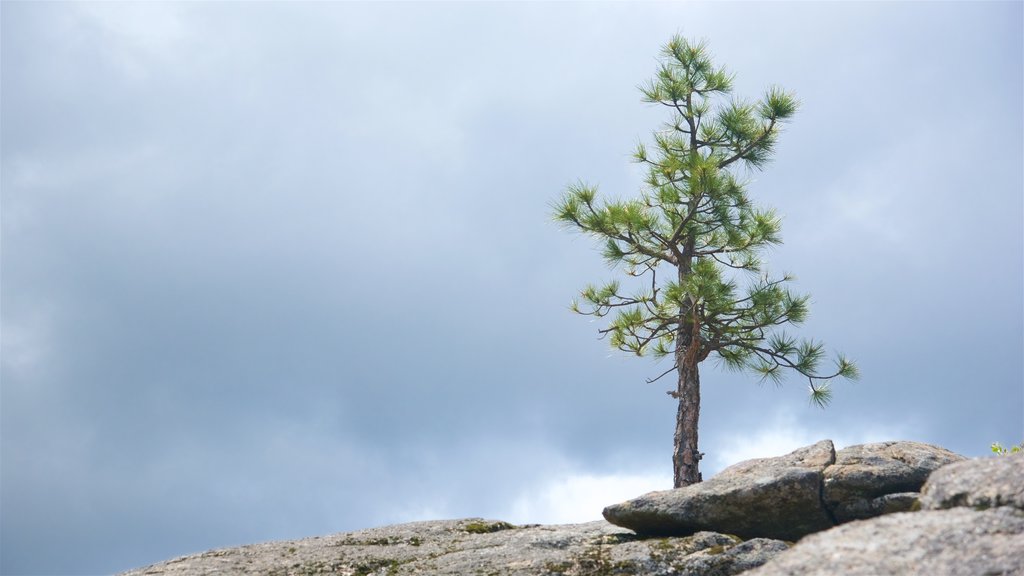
{"x": 280, "y": 270}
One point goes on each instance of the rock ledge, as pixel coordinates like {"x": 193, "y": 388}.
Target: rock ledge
{"x": 485, "y": 548}
{"x": 791, "y": 496}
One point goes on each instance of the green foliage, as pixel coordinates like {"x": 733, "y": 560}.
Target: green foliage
{"x": 693, "y": 239}
{"x": 998, "y": 449}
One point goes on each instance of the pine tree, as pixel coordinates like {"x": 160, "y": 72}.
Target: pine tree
{"x": 692, "y": 238}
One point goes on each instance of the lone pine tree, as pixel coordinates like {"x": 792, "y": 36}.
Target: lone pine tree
{"x": 689, "y": 239}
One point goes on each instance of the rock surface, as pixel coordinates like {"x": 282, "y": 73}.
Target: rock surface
{"x": 979, "y": 484}
{"x": 869, "y": 480}
{"x": 788, "y": 497}
{"x": 971, "y": 522}
{"x": 471, "y": 547}
{"x": 943, "y": 542}
{"x": 776, "y": 498}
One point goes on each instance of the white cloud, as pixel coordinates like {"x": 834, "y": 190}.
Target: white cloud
{"x": 580, "y": 497}
{"x": 784, "y": 433}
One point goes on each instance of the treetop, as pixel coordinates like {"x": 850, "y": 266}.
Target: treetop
{"x": 695, "y": 219}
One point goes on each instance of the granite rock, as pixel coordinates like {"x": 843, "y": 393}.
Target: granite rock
{"x": 791, "y": 496}
{"x": 868, "y": 480}
{"x": 778, "y": 498}
{"x": 474, "y": 546}
{"x": 971, "y": 523}
{"x": 980, "y": 484}
{"x": 956, "y": 542}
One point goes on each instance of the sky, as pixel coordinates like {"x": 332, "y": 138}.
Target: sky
{"x": 277, "y": 270}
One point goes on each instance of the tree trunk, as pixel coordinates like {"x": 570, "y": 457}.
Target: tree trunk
{"x": 686, "y": 457}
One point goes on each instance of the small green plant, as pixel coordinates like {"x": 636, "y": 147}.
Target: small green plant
{"x": 998, "y": 449}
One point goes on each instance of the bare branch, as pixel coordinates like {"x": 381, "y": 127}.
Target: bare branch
{"x": 663, "y": 374}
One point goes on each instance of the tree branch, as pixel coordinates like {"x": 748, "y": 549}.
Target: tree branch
{"x": 663, "y": 374}
{"x": 750, "y": 147}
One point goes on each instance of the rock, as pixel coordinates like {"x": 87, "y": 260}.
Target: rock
{"x": 778, "y": 498}
{"x": 868, "y": 480}
{"x": 972, "y": 523}
{"x": 740, "y": 558}
{"x": 980, "y": 484}
{"x": 457, "y": 547}
{"x": 953, "y": 542}
{"x": 788, "y": 497}
{"x": 888, "y": 504}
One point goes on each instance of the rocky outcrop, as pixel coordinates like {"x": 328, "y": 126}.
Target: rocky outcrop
{"x": 788, "y": 497}
{"x": 971, "y": 523}
{"x": 460, "y": 547}
{"x": 947, "y": 542}
{"x": 771, "y": 497}
{"x": 869, "y": 480}
{"x": 978, "y": 484}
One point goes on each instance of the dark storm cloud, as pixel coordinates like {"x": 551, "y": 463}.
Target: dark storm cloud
{"x": 275, "y": 270}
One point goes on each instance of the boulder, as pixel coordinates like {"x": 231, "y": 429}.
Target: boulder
{"x": 778, "y": 498}
{"x": 971, "y": 523}
{"x": 868, "y": 480}
{"x": 475, "y": 546}
{"x": 887, "y": 504}
{"x": 788, "y": 497}
{"x": 952, "y": 542}
{"x": 980, "y": 484}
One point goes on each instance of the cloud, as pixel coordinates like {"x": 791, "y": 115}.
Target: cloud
{"x": 579, "y": 497}
{"x": 140, "y": 37}
{"x": 273, "y": 270}
{"x": 565, "y": 495}
{"x": 783, "y": 433}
